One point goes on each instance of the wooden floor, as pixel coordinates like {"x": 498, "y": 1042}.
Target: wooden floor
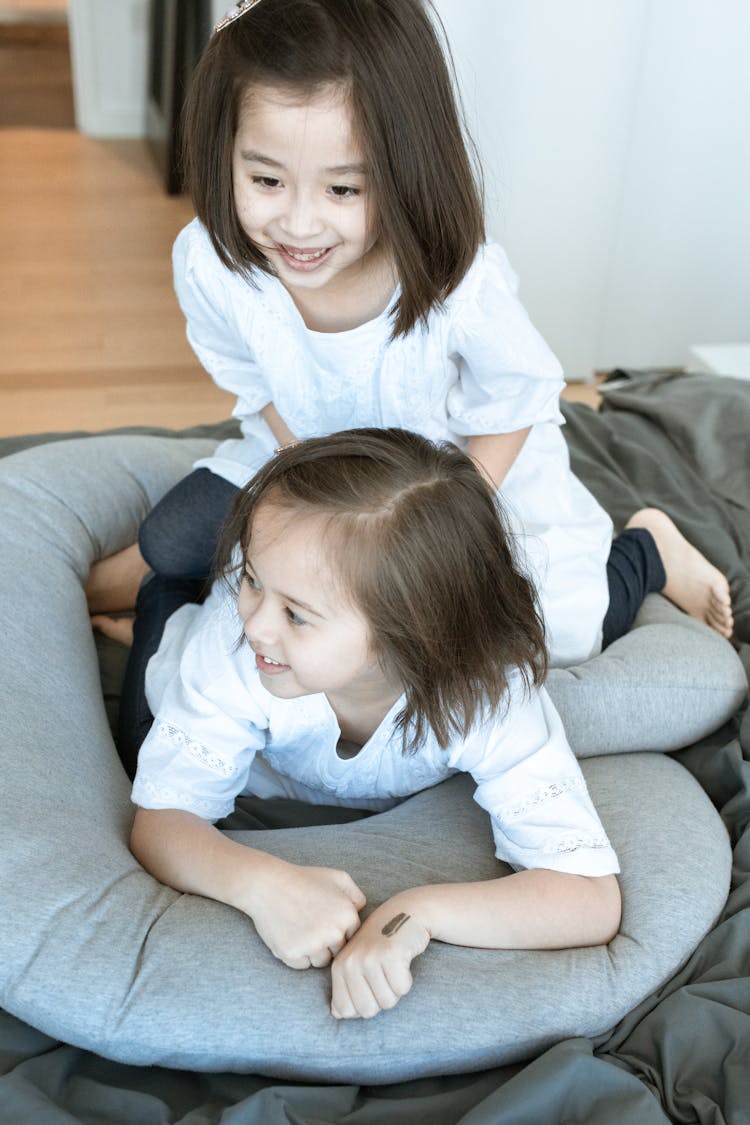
{"x": 35, "y": 77}
{"x": 45, "y": 11}
{"x": 91, "y": 333}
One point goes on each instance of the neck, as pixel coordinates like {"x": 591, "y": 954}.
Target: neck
{"x": 358, "y": 719}
{"x": 359, "y": 298}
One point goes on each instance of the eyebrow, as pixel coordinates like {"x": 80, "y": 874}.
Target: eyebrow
{"x": 335, "y": 170}
{"x": 288, "y": 597}
{"x": 301, "y": 605}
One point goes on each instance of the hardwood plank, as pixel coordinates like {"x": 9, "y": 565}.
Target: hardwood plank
{"x": 92, "y": 334}
{"x": 48, "y": 408}
{"x": 36, "y": 84}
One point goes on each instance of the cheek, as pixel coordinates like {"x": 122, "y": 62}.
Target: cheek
{"x": 248, "y": 206}
{"x": 245, "y": 603}
{"x": 364, "y": 654}
{"x": 241, "y": 206}
{"x": 361, "y": 231}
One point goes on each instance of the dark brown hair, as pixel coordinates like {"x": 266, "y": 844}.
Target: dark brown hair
{"x": 387, "y": 56}
{"x": 419, "y": 546}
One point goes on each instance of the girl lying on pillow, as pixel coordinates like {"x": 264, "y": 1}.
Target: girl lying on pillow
{"x": 377, "y": 637}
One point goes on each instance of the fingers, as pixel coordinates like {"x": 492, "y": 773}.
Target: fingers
{"x": 324, "y": 957}
{"x": 316, "y": 953}
{"x": 351, "y": 890}
{"x": 360, "y": 996}
{"x": 300, "y": 962}
{"x": 363, "y": 992}
{"x": 313, "y": 961}
{"x": 309, "y": 924}
{"x": 373, "y": 972}
{"x": 336, "y": 947}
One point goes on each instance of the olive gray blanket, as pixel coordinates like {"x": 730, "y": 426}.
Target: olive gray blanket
{"x": 677, "y": 442}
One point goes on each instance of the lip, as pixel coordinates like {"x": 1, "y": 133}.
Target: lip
{"x": 268, "y": 669}
{"x": 287, "y": 252}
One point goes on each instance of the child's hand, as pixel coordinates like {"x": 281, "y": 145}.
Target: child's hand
{"x": 372, "y": 972}
{"x": 305, "y": 915}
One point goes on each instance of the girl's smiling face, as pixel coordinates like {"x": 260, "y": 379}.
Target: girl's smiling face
{"x": 306, "y": 635}
{"x": 300, "y": 187}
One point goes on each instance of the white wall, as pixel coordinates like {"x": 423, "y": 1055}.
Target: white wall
{"x": 109, "y": 53}
{"x": 616, "y": 143}
{"x": 680, "y": 269}
{"x": 616, "y": 146}
{"x": 109, "y": 49}
{"x": 218, "y": 8}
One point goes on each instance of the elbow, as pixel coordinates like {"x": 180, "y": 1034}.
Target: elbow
{"x": 136, "y": 835}
{"x": 142, "y": 835}
{"x": 609, "y": 912}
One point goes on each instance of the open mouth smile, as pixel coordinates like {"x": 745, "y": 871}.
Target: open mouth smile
{"x": 269, "y": 667}
{"x": 304, "y": 260}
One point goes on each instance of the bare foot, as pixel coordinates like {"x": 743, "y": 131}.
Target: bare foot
{"x": 693, "y": 583}
{"x": 116, "y": 628}
{"x": 114, "y": 582}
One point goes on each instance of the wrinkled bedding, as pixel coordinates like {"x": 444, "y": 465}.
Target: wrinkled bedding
{"x": 677, "y": 442}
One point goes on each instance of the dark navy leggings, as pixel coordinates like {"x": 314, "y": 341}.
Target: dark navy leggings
{"x": 178, "y": 540}
{"x": 634, "y": 569}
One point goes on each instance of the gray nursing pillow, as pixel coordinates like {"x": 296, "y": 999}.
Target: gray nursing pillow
{"x": 98, "y": 953}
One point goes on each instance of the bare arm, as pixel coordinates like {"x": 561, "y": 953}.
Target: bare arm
{"x": 536, "y": 909}
{"x": 277, "y": 425}
{"x": 303, "y": 914}
{"x": 495, "y": 453}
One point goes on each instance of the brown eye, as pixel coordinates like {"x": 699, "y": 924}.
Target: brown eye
{"x": 343, "y": 191}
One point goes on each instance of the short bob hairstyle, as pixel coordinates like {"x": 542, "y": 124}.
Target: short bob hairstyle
{"x": 418, "y": 544}
{"x": 387, "y": 57}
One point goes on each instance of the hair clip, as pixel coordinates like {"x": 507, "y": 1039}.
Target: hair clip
{"x": 234, "y": 13}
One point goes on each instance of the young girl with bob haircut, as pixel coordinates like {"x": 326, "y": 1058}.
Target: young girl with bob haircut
{"x": 387, "y": 640}
{"x": 337, "y": 275}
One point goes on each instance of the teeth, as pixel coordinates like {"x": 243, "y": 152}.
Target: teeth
{"x": 299, "y": 257}
{"x": 269, "y": 661}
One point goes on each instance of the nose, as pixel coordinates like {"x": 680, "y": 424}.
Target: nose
{"x": 259, "y": 627}
{"x": 300, "y": 221}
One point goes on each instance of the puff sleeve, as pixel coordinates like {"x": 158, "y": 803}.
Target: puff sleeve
{"x": 507, "y": 376}
{"x": 218, "y": 310}
{"x": 208, "y": 727}
{"x": 530, "y": 783}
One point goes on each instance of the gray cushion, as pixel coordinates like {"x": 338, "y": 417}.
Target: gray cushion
{"x": 666, "y": 684}
{"x": 97, "y": 953}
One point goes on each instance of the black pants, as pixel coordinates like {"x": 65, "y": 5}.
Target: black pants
{"x": 634, "y": 569}
{"x": 178, "y": 540}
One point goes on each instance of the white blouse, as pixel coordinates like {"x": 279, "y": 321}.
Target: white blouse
{"x": 219, "y": 733}
{"x": 477, "y": 367}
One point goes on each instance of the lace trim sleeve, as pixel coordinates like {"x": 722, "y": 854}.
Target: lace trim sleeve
{"x": 151, "y": 795}
{"x": 179, "y": 771}
{"x": 575, "y": 841}
{"x": 197, "y": 751}
{"x": 555, "y": 842}
{"x": 542, "y": 796}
